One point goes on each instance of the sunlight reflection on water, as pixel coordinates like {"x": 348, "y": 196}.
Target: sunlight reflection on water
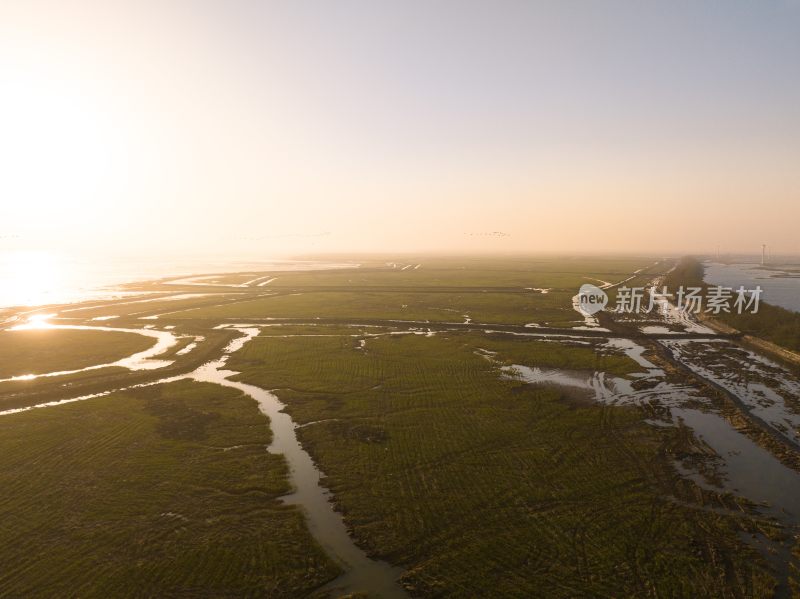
{"x": 38, "y": 277}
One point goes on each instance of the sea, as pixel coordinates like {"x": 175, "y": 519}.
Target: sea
{"x": 780, "y": 282}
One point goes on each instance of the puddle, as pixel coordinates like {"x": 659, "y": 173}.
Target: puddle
{"x": 762, "y": 385}
{"x": 187, "y": 349}
{"x": 747, "y": 469}
{"x": 656, "y": 330}
{"x": 751, "y": 471}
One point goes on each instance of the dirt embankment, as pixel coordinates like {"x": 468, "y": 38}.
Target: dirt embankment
{"x": 756, "y": 343}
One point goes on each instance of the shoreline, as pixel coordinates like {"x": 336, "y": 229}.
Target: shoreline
{"x": 784, "y": 355}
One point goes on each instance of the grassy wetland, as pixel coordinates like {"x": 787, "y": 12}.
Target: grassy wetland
{"x": 162, "y": 491}
{"x": 483, "y": 485}
{"x": 41, "y": 351}
{"x": 475, "y": 436}
{"x": 364, "y": 300}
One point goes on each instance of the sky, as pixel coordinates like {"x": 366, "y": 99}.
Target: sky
{"x": 267, "y": 128}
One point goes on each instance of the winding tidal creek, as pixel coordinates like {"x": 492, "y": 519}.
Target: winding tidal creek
{"x": 361, "y": 573}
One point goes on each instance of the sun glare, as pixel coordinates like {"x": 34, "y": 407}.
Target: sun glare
{"x": 36, "y": 321}
{"x": 30, "y": 278}
{"x": 58, "y": 147}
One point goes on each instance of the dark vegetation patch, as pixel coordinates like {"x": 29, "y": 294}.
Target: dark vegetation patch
{"x": 177, "y": 417}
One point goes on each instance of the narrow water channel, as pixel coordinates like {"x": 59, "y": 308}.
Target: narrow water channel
{"x": 361, "y": 574}
{"x": 749, "y": 470}
{"x": 143, "y": 360}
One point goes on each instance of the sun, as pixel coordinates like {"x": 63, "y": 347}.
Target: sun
{"x": 31, "y": 278}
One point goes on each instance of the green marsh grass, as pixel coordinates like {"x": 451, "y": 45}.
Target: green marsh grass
{"x": 167, "y": 491}
{"x": 484, "y": 486}
{"x": 36, "y": 351}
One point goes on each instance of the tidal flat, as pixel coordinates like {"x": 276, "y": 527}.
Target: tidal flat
{"x": 448, "y": 473}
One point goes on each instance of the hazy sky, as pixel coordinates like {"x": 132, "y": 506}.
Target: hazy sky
{"x": 270, "y": 127}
